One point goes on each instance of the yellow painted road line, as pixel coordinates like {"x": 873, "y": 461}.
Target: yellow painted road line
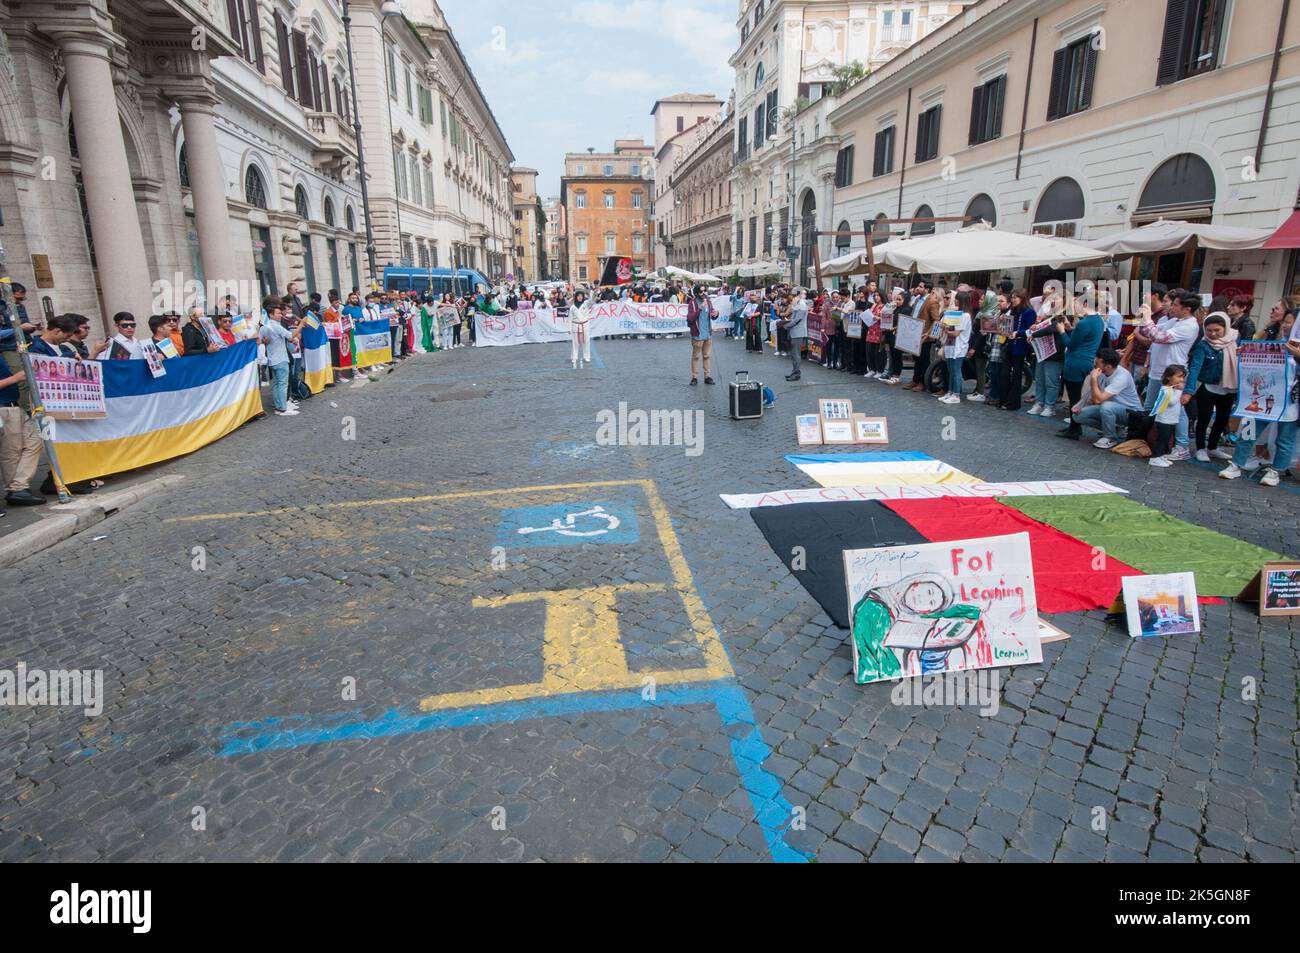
{"x": 400, "y": 501}
{"x": 581, "y": 649}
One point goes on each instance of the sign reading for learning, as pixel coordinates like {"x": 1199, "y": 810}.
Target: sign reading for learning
{"x": 942, "y": 607}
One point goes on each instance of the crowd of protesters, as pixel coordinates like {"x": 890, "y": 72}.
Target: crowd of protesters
{"x": 1163, "y": 376}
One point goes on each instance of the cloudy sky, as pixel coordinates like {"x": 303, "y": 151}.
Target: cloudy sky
{"x": 562, "y": 75}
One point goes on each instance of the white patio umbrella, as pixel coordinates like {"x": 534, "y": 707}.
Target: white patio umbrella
{"x": 1171, "y": 236}
{"x": 984, "y": 248}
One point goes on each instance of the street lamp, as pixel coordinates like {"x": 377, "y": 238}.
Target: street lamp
{"x": 389, "y": 8}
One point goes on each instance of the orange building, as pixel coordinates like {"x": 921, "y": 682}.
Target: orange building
{"x": 606, "y": 198}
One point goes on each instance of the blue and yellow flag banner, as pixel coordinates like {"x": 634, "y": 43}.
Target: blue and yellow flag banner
{"x": 317, "y": 368}
{"x": 374, "y": 345}
{"x": 198, "y": 401}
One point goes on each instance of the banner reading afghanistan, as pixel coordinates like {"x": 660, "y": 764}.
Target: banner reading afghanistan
{"x": 605, "y": 319}
{"x": 198, "y": 401}
{"x": 374, "y": 344}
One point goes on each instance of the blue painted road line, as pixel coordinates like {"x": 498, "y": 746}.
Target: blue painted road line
{"x": 595, "y": 357}
{"x": 772, "y": 812}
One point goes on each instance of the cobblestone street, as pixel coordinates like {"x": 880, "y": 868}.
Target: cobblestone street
{"x": 345, "y": 650}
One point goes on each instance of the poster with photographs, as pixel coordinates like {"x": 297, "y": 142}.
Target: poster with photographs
{"x": 69, "y": 389}
{"x": 1161, "y": 605}
{"x": 837, "y": 421}
{"x": 853, "y": 325}
{"x": 1264, "y": 376}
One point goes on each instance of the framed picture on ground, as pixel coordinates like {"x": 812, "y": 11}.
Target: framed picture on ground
{"x": 1161, "y": 605}
{"x": 837, "y": 421}
{"x": 809, "y": 429}
{"x": 871, "y": 430}
{"x": 1276, "y": 589}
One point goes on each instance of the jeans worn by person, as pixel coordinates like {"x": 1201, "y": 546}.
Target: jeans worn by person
{"x": 1283, "y": 447}
{"x": 280, "y": 386}
{"x": 1106, "y": 417}
{"x": 1047, "y": 383}
{"x": 954, "y": 375}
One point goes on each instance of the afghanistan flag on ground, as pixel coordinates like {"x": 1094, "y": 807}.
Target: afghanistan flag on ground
{"x": 617, "y": 271}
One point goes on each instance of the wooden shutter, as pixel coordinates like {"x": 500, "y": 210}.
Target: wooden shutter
{"x": 1059, "y": 78}
{"x": 773, "y": 116}
{"x": 325, "y": 89}
{"x": 302, "y": 67}
{"x": 1090, "y": 56}
{"x": 232, "y": 14}
{"x": 282, "y": 44}
{"x": 878, "y": 161}
{"x": 1174, "y": 41}
{"x": 994, "y": 102}
{"x": 255, "y": 28}
{"x": 977, "y": 106}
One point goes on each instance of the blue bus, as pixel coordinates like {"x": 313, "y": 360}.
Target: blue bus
{"x": 437, "y": 281}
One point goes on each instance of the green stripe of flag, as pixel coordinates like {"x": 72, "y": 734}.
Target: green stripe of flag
{"x": 1150, "y": 540}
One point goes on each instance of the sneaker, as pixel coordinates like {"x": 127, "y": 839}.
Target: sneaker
{"x": 1035, "y": 410}
{"x": 1162, "y": 462}
{"x": 1253, "y": 464}
{"x": 1220, "y": 455}
{"x": 894, "y": 380}
{"x": 1047, "y": 412}
{"x": 1270, "y": 478}
{"x": 286, "y": 413}
{"x": 1105, "y": 443}
{"x": 950, "y": 399}
{"x": 1202, "y": 456}
{"x": 709, "y": 380}
{"x": 976, "y": 398}
{"x": 1180, "y": 455}
{"x": 1233, "y": 472}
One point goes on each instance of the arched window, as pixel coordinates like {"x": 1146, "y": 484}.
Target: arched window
{"x": 1184, "y": 184}
{"x": 183, "y": 167}
{"x": 880, "y": 232}
{"x": 329, "y": 211}
{"x": 923, "y": 228}
{"x": 981, "y": 208}
{"x": 844, "y": 239}
{"x": 300, "y": 202}
{"x": 1061, "y": 202}
{"x": 350, "y": 217}
{"x": 760, "y": 74}
{"x": 254, "y": 188}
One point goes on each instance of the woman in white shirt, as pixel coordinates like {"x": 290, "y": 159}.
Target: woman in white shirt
{"x": 956, "y": 325}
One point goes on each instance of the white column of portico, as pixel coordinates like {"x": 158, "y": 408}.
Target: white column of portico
{"x": 110, "y": 197}
{"x": 208, "y": 186}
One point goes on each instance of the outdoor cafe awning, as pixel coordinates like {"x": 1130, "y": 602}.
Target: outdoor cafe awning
{"x": 983, "y": 248}
{"x": 1170, "y": 236}
{"x": 1288, "y": 236}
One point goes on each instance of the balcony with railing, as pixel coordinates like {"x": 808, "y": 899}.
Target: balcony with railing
{"x": 335, "y": 143}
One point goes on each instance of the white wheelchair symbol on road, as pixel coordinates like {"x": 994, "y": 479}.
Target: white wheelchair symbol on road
{"x": 567, "y": 525}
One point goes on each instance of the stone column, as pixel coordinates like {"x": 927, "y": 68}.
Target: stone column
{"x": 122, "y": 266}
{"x": 208, "y": 184}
